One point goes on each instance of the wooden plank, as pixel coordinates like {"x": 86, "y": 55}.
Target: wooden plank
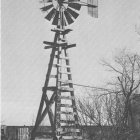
{"x": 70, "y": 46}
{"x": 65, "y": 58}
{"x": 68, "y": 126}
{"x": 55, "y": 44}
{"x": 65, "y": 72}
{"x": 61, "y": 44}
{"x": 63, "y": 40}
{"x": 68, "y": 121}
{"x": 67, "y": 97}
{"x": 49, "y": 43}
{"x": 51, "y": 88}
{"x": 48, "y": 47}
{"x": 65, "y": 89}
{"x": 59, "y": 65}
{"x": 53, "y": 76}
{"x": 66, "y": 66}
{"x": 62, "y": 31}
{"x": 66, "y": 105}
{"x": 66, "y": 133}
{"x": 67, "y": 113}
{"x": 65, "y": 81}
{"x": 66, "y": 84}
{"x": 72, "y": 137}
{"x": 69, "y": 130}
{"x": 57, "y": 30}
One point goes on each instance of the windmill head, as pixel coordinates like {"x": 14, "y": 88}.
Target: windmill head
{"x": 64, "y": 12}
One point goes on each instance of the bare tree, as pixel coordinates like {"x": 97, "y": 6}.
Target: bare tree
{"x": 127, "y": 69}
{"x": 113, "y": 104}
{"x": 114, "y": 115}
{"x": 91, "y": 113}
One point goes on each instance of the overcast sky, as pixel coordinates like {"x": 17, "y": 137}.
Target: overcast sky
{"x": 24, "y": 61}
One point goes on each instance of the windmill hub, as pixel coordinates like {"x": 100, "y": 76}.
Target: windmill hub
{"x": 59, "y": 4}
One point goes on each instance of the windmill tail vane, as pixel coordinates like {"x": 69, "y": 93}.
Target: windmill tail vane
{"x": 93, "y": 11}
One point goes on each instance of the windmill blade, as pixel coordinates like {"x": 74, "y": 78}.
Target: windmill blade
{"x": 93, "y": 8}
{"x": 46, "y": 8}
{"x": 51, "y": 14}
{"x": 73, "y": 13}
{"x": 68, "y": 17}
{"x": 63, "y": 21}
{"x": 75, "y": 6}
{"x": 56, "y": 18}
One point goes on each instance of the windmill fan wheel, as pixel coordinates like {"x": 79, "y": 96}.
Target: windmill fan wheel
{"x": 62, "y": 12}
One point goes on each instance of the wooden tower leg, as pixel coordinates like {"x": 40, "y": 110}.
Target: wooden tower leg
{"x": 64, "y": 121}
{"x": 44, "y": 99}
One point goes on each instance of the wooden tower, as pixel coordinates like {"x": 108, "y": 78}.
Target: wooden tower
{"x": 64, "y": 120}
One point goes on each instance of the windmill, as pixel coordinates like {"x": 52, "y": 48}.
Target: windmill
{"x": 58, "y": 87}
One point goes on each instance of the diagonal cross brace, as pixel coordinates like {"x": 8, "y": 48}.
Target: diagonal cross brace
{"x": 46, "y": 110}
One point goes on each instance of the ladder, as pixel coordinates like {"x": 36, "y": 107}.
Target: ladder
{"x": 64, "y": 120}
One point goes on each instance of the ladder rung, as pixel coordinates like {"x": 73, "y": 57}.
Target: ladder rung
{"x": 66, "y": 58}
{"x": 68, "y": 121}
{"x": 65, "y": 84}
{"x": 65, "y": 72}
{"x": 53, "y": 76}
{"x": 65, "y": 81}
{"x": 72, "y": 137}
{"x": 67, "y": 97}
{"x": 67, "y": 113}
{"x": 70, "y": 130}
{"x": 69, "y": 126}
{"x": 66, "y": 66}
{"x": 58, "y": 65}
{"x": 65, "y": 89}
{"x": 66, "y": 105}
{"x": 66, "y": 133}
{"x": 51, "y": 88}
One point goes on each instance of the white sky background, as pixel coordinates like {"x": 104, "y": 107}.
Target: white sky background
{"x": 24, "y": 61}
